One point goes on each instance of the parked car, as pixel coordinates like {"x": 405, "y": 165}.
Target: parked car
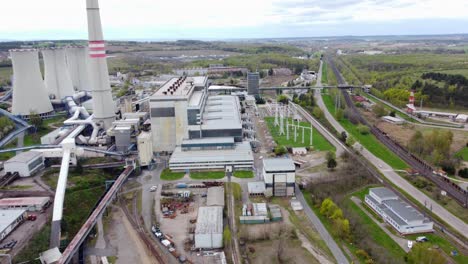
{"x": 422, "y": 239}
{"x": 153, "y": 188}
{"x": 410, "y": 244}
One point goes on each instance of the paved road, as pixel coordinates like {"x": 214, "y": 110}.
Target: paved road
{"x": 335, "y": 249}
{"x": 397, "y": 180}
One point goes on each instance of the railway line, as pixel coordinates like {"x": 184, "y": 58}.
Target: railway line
{"x": 425, "y": 169}
{"x": 139, "y": 228}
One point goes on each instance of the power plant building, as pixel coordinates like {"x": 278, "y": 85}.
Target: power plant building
{"x": 25, "y": 163}
{"x": 279, "y": 175}
{"x": 253, "y": 83}
{"x": 57, "y": 78}
{"x": 29, "y": 92}
{"x": 9, "y": 220}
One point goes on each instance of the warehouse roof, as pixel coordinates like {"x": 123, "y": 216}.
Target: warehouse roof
{"x": 210, "y": 140}
{"x": 221, "y": 112}
{"x": 215, "y": 196}
{"x": 404, "y": 210}
{"x": 25, "y": 157}
{"x": 209, "y": 220}
{"x": 9, "y": 216}
{"x": 278, "y": 164}
{"x": 241, "y": 152}
{"x": 383, "y": 193}
{"x": 23, "y": 201}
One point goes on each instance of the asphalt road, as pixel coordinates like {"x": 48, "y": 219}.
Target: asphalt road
{"x": 335, "y": 249}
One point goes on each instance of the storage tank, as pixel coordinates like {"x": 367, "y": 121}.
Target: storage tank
{"x": 57, "y": 77}
{"x": 29, "y": 92}
{"x": 77, "y": 62}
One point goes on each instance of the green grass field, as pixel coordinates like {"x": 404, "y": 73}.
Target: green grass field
{"x": 368, "y": 141}
{"x": 324, "y": 72}
{"x": 243, "y": 174}
{"x": 207, "y": 175}
{"x": 319, "y": 143}
{"x": 168, "y": 175}
{"x": 463, "y": 153}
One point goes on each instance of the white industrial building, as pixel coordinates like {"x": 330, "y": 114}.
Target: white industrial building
{"x": 239, "y": 156}
{"x": 209, "y": 228}
{"x": 256, "y": 188}
{"x": 215, "y": 196}
{"x": 279, "y": 175}
{"x": 29, "y": 91}
{"x": 9, "y": 220}
{"x": 393, "y": 120}
{"x": 25, "y": 163}
{"x": 32, "y": 204}
{"x": 145, "y": 148}
{"x": 400, "y": 215}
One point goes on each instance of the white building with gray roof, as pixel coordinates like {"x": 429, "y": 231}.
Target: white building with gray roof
{"x": 9, "y": 220}
{"x": 25, "y": 163}
{"x": 209, "y": 228}
{"x": 279, "y": 175}
{"x": 399, "y": 214}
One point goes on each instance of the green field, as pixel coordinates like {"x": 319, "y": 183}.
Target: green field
{"x": 324, "y": 73}
{"x": 243, "y": 174}
{"x": 368, "y": 141}
{"x": 168, "y": 175}
{"x": 319, "y": 143}
{"x": 207, "y": 175}
{"x": 463, "y": 153}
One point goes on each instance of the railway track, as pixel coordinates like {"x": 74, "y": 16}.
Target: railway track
{"x": 8, "y": 178}
{"x": 425, "y": 169}
{"x": 136, "y": 224}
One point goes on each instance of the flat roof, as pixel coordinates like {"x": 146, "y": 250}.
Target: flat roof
{"x": 210, "y": 140}
{"x": 181, "y": 87}
{"x": 209, "y": 220}
{"x": 196, "y": 98}
{"x": 404, "y": 210}
{"x": 25, "y": 157}
{"x": 394, "y": 119}
{"x": 383, "y": 193}
{"x": 23, "y": 201}
{"x": 256, "y": 187}
{"x": 240, "y": 152}
{"x": 9, "y": 216}
{"x": 278, "y": 164}
{"x": 215, "y": 196}
{"x": 221, "y": 112}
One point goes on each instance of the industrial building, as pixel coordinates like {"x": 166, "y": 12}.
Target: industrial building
{"x": 253, "y": 83}
{"x": 178, "y": 103}
{"x": 209, "y": 228}
{"x": 29, "y": 92}
{"x": 215, "y": 196}
{"x": 9, "y": 220}
{"x": 25, "y": 163}
{"x": 256, "y": 188}
{"x": 145, "y": 148}
{"x": 239, "y": 156}
{"x": 400, "y": 215}
{"x": 32, "y": 204}
{"x": 279, "y": 175}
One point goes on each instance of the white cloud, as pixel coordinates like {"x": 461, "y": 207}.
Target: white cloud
{"x": 69, "y": 16}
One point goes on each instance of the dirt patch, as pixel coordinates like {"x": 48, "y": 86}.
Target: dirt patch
{"x": 267, "y": 252}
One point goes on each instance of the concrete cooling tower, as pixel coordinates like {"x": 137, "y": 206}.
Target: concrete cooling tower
{"x": 77, "y": 62}
{"x": 29, "y": 91}
{"x": 103, "y": 105}
{"x": 57, "y": 78}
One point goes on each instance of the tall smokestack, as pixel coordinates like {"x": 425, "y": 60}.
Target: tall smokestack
{"x": 103, "y": 105}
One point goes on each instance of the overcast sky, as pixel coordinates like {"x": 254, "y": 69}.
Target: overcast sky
{"x": 221, "y": 19}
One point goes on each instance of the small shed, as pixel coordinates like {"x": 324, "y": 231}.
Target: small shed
{"x": 256, "y": 188}
{"x": 25, "y": 163}
{"x": 299, "y": 151}
{"x": 215, "y": 196}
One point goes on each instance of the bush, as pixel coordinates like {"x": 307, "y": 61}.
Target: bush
{"x": 463, "y": 173}
{"x": 363, "y": 130}
{"x": 280, "y": 150}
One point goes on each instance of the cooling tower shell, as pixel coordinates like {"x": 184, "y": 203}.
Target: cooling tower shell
{"x": 77, "y": 62}
{"x": 57, "y": 78}
{"x": 29, "y": 91}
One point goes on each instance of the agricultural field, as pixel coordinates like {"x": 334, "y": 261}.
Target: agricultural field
{"x": 319, "y": 143}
